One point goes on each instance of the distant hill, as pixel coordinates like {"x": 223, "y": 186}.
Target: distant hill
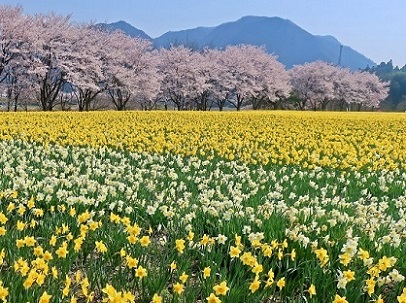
{"x": 124, "y": 27}
{"x": 292, "y": 44}
{"x": 289, "y": 42}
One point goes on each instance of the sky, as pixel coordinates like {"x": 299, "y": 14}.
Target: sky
{"x": 375, "y": 28}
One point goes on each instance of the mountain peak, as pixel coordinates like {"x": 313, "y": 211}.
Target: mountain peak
{"x": 330, "y": 38}
{"x": 275, "y": 21}
{"x": 126, "y": 28}
{"x": 121, "y": 23}
{"x": 251, "y": 18}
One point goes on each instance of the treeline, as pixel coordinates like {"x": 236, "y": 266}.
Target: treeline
{"x": 49, "y": 62}
{"x": 396, "y": 100}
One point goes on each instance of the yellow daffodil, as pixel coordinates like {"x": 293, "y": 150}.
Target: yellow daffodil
{"x": 145, "y": 241}
{"x": 339, "y": 299}
{"x": 62, "y": 251}
{"x": 312, "y": 290}
{"x": 131, "y": 262}
{"x": 281, "y": 283}
{"x": 156, "y": 298}
{"x": 234, "y": 252}
{"x": 178, "y": 288}
{"x": 101, "y": 247}
{"x": 212, "y": 298}
{"x": 45, "y": 298}
{"x": 206, "y": 272}
{"x": 180, "y": 245}
{"x": 254, "y": 286}
{"x": 221, "y": 289}
{"x": 3, "y": 292}
{"x": 173, "y": 266}
{"x": 141, "y": 272}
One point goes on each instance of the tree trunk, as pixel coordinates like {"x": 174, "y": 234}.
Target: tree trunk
{"x": 9, "y": 97}
{"x": 119, "y": 99}
{"x": 341, "y": 105}
{"x": 16, "y": 101}
{"x": 359, "y": 106}
{"x": 256, "y": 104}
{"x": 49, "y": 93}
{"x": 220, "y": 104}
{"x": 86, "y": 97}
{"x": 240, "y": 100}
{"x": 324, "y": 105}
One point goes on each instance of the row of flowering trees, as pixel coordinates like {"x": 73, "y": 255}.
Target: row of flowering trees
{"x": 58, "y": 63}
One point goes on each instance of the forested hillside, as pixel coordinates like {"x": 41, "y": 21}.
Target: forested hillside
{"x": 396, "y": 99}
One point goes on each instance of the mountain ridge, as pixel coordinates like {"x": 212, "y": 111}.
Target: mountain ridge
{"x": 292, "y": 44}
{"x": 125, "y": 27}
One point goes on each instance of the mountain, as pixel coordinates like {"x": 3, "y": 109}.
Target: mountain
{"x": 124, "y": 27}
{"x": 289, "y": 42}
{"x": 283, "y": 38}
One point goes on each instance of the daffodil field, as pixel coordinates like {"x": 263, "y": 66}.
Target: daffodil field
{"x": 202, "y": 207}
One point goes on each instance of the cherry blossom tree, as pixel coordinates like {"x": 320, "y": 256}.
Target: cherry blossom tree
{"x": 202, "y": 86}
{"x": 85, "y": 58}
{"x": 313, "y": 83}
{"x": 237, "y": 74}
{"x": 14, "y": 32}
{"x": 218, "y": 93}
{"x": 344, "y": 87}
{"x": 369, "y": 91}
{"x": 17, "y": 84}
{"x": 14, "y": 42}
{"x": 131, "y": 70}
{"x": 246, "y": 74}
{"x": 272, "y": 80}
{"x": 318, "y": 83}
{"x": 49, "y": 59}
{"x": 182, "y": 76}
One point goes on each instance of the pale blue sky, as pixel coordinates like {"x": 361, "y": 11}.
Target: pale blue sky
{"x": 376, "y": 28}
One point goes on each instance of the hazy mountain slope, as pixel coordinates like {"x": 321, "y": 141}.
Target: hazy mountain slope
{"x": 124, "y": 27}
